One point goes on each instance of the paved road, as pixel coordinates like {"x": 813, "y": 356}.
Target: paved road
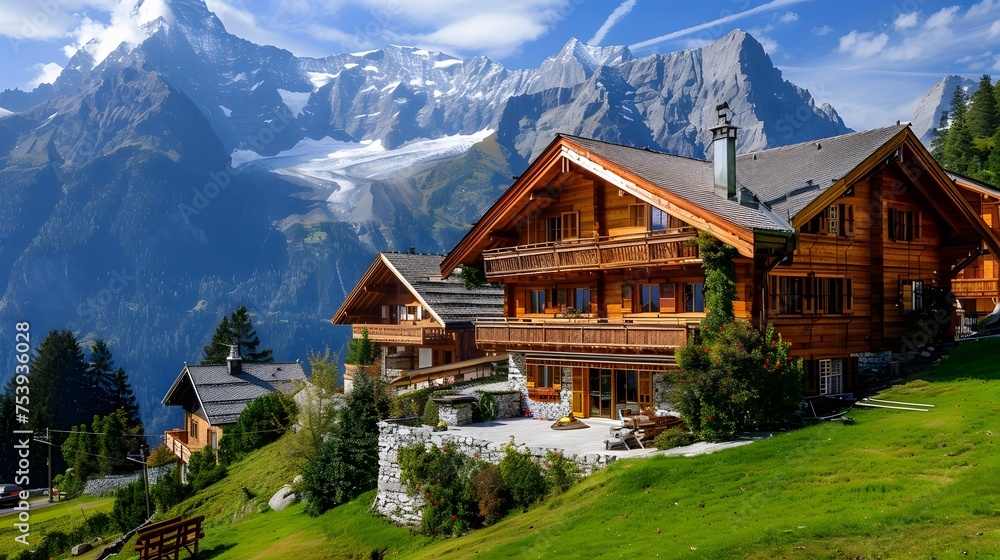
{"x": 35, "y": 503}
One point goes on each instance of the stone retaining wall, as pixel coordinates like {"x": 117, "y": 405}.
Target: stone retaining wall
{"x": 394, "y": 501}
{"x": 106, "y": 485}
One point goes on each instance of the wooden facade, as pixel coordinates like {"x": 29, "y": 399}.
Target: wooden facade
{"x": 601, "y": 284}
{"x": 977, "y": 286}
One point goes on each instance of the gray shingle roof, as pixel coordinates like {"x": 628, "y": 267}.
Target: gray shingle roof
{"x": 225, "y": 396}
{"x": 448, "y": 298}
{"x": 785, "y": 179}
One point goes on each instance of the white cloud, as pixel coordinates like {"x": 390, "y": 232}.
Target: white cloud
{"x": 46, "y": 74}
{"x": 773, "y": 4}
{"x": 126, "y": 25}
{"x": 862, "y": 45}
{"x": 788, "y": 17}
{"x": 995, "y": 29}
{"x": 822, "y": 31}
{"x": 616, "y": 16}
{"x": 493, "y": 32}
{"x": 906, "y": 21}
{"x": 769, "y": 44}
{"x": 941, "y": 18}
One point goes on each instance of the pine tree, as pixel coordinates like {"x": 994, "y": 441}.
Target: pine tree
{"x": 100, "y": 377}
{"x": 957, "y": 149}
{"x": 246, "y": 336}
{"x": 216, "y": 352}
{"x": 122, "y": 398}
{"x": 984, "y": 112}
{"x": 59, "y": 395}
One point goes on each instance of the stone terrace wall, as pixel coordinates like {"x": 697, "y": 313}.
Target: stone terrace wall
{"x": 106, "y": 485}
{"x": 392, "y": 499}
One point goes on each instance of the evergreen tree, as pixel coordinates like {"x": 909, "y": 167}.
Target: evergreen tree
{"x": 59, "y": 395}
{"x": 112, "y": 443}
{"x": 100, "y": 377}
{"x": 983, "y": 117}
{"x": 361, "y": 351}
{"x": 122, "y": 398}
{"x": 236, "y": 329}
{"x": 957, "y": 149}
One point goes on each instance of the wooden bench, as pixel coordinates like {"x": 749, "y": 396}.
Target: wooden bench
{"x": 166, "y": 539}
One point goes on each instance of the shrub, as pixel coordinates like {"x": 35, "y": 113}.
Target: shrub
{"x": 674, "y": 437}
{"x": 442, "y": 477}
{"x": 487, "y": 407}
{"x": 361, "y": 351}
{"x": 203, "y": 470}
{"x": 560, "y": 472}
{"x": 130, "y": 506}
{"x": 168, "y": 492}
{"x": 160, "y": 455}
{"x": 262, "y": 421}
{"x": 492, "y": 495}
{"x": 740, "y": 380}
{"x": 523, "y": 476}
{"x": 430, "y": 414}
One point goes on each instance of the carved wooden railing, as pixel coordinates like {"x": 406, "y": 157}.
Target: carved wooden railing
{"x": 585, "y": 254}
{"x": 404, "y": 334}
{"x": 582, "y": 335}
{"x": 177, "y": 442}
{"x": 975, "y": 287}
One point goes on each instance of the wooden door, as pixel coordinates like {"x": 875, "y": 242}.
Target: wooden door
{"x": 579, "y": 397}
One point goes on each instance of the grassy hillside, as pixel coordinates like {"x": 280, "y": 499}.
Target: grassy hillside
{"x": 897, "y": 484}
{"x": 65, "y": 517}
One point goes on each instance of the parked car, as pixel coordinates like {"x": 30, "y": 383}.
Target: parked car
{"x": 9, "y": 494}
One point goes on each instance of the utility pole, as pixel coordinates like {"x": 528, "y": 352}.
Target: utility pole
{"x": 48, "y": 439}
{"x": 145, "y": 476}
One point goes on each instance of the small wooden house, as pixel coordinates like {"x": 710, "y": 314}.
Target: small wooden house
{"x": 839, "y": 242}
{"x": 977, "y": 286}
{"x": 422, "y": 321}
{"x": 213, "y": 396}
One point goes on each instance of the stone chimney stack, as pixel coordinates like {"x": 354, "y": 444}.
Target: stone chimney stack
{"x": 724, "y": 146}
{"x": 234, "y": 363}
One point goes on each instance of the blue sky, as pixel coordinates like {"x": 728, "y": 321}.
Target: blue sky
{"x": 871, "y": 60}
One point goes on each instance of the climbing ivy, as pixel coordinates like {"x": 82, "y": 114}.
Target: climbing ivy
{"x": 720, "y": 283}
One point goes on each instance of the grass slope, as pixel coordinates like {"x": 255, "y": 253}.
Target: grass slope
{"x": 896, "y": 484}
{"x": 64, "y": 517}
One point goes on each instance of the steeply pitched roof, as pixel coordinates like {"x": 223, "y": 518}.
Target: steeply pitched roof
{"x": 447, "y": 299}
{"x": 223, "y": 397}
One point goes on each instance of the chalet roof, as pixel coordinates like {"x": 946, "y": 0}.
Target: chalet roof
{"x": 447, "y": 299}
{"x": 788, "y": 178}
{"x": 688, "y": 178}
{"x": 974, "y": 185}
{"x": 223, "y": 397}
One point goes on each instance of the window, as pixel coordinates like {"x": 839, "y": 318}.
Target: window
{"x": 913, "y": 295}
{"x": 543, "y": 376}
{"x": 668, "y": 299}
{"x": 637, "y": 215}
{"x": 570, "y": 225}
{"x": 787, "y": 294}
{"x": 536, "y": 301}
{"x": 659, "y": 220}
{"x": 626, "y": 299}
{"x": 553, "y": 229}
{"x": 694, "y": 298}
{"x": 837, "y": 219}
{"x": 833, "y": 295}
{"x": 649, "y": 298}
{"x": 581, "y": 299}
{"x": 831, "y": 376}
{"x": 193, "y": 432}
{"x": 903, "y": 225}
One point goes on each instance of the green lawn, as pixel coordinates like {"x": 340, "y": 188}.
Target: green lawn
{"x": 63, "y": 517}
{"x": 896, "y": 484}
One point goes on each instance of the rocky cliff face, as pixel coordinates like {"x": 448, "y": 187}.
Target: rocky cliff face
{"x": 937, "y": 102}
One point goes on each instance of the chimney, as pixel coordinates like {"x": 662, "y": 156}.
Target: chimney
{"x": 724, "y": 142}
{"x": 413, "y": 250}
{"x": 234, "y": 363}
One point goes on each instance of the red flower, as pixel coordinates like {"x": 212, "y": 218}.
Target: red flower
{"x": 709, "y": 417}
{"x": 454, "y": 517}
{"x": 418, "y": 487}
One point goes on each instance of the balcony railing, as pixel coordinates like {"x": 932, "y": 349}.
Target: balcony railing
{"x": 975, "y": 287}
{"x": 404, "y": 334}
{"x": 652, "y": 336}
{"x": 586, "y": 254}
{"x": 177, "y": 442}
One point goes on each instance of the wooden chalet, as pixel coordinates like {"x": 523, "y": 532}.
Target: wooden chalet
{"x": 213, "y": 396}
{"x": 837, "y": 241}
{"x": 977, "y": 286}
{"x": 422, "y": 321}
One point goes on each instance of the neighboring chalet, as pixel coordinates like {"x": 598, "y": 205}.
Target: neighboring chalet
{"x": 837, "y": 241}
{"x": 978, "y": 285}
{"x": 213, "y": 396}
{"x": 422, "y": 322}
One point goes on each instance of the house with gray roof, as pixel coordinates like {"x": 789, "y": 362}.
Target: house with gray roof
{"x": 848, "y": 245}
{"x": 213, "y": 396}
{"x": 420, "y": 319}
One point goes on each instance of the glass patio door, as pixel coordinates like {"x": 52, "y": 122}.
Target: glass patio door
{"x": 600, "y": 393}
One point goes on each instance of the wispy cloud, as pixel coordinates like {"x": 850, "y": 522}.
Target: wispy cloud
{"x": 616, "y": 16}
{"x": 822, "y": 31}
{"x": 863, "y": 45}
{"x": 906, "y": 21}
{"x": 788, "y": 17}
{"x": 46, "y": 74}
{"x": 774, "y": 4}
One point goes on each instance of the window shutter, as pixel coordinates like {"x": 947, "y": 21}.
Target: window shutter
{"x": 668, "y": 298}
{"x": 833, "y": 220}
{"x": 916, "y": 225}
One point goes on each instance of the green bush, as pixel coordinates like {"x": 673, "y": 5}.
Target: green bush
{"x": 203, "y": 470}
{"x": 492, "y": 495}
{"x": 442, "y": 477}
{"x": 674, "y": 437}
{"x": 739, "y": 380}
{"x": 523, "y": 476}
{"x": 262, "y": 422}
{"x": 430, "y": 414}
{"x": 487, "y": 407}
{"x": 168, "y": 492}
{"x": 130, "y": 506}
{"x": 560, "y": 472}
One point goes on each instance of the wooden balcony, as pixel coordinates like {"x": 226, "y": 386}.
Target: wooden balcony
{"x": 659, "y": 337}
{"x": 975, "y": 287}
{"x": 420, "y": 334}
{"x": 658, "y": 248}
{"x": 177, "y": 442}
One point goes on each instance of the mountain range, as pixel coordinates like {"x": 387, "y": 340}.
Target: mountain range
{"x": 152, "y": 191}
